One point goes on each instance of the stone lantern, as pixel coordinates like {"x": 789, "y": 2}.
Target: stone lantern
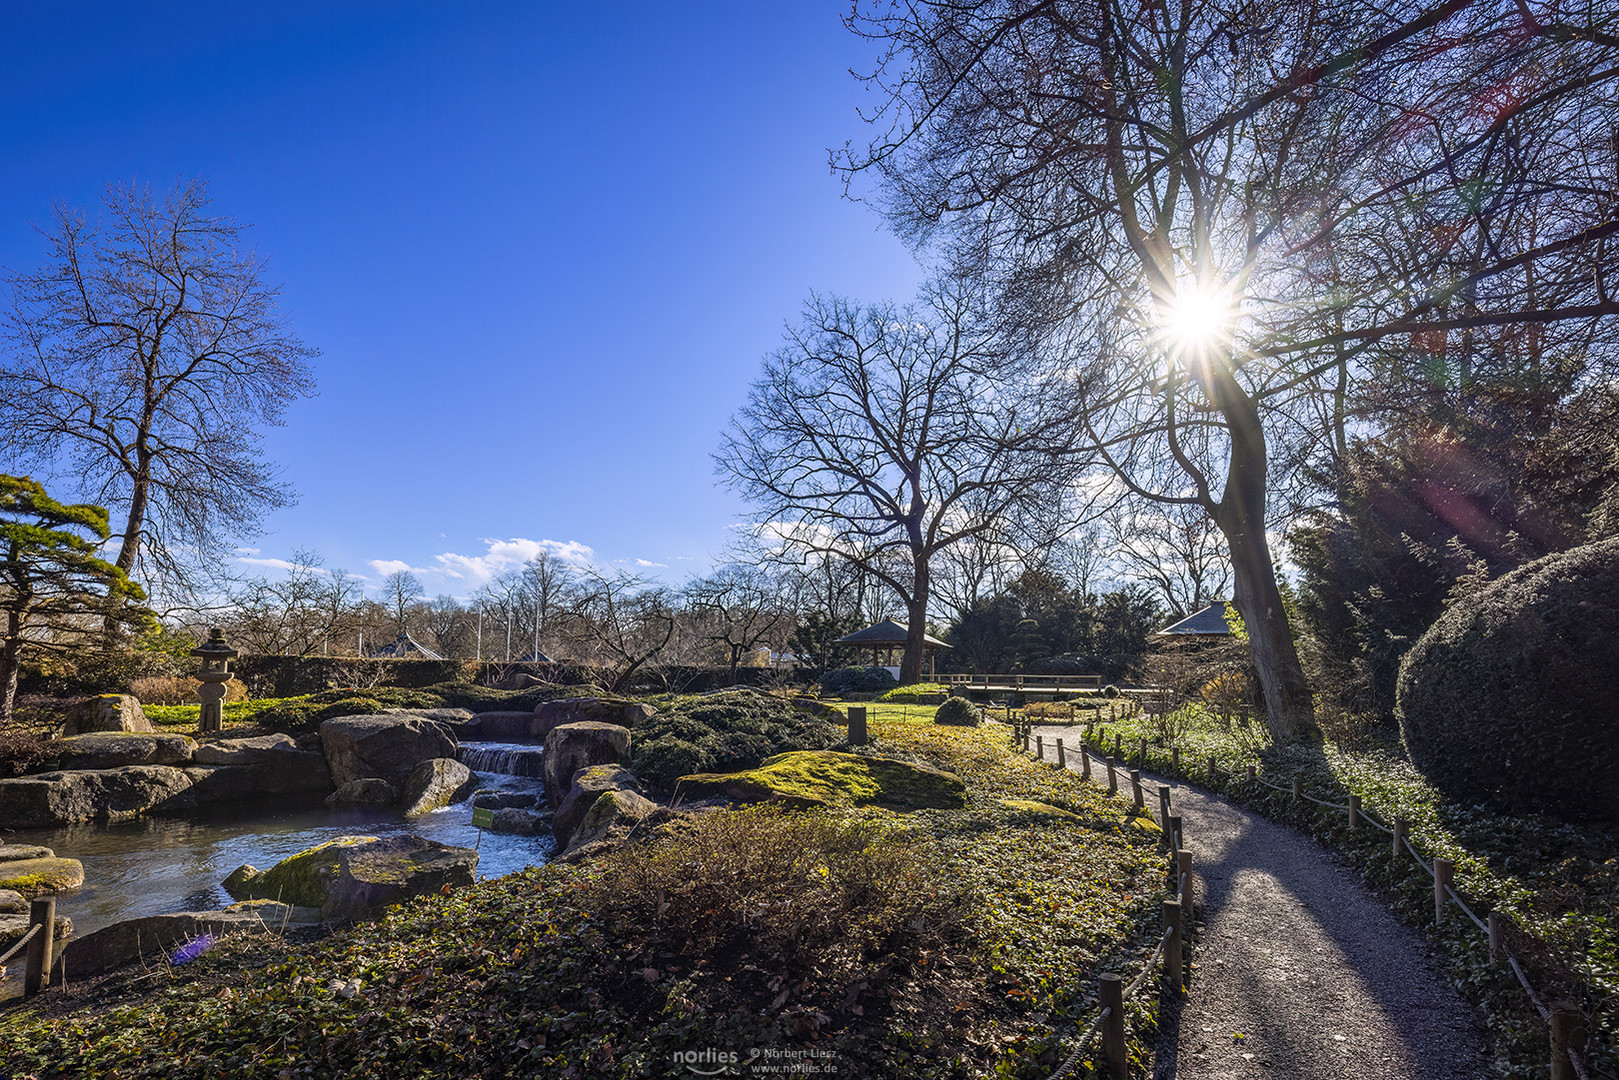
{"x": 216, "y": 657}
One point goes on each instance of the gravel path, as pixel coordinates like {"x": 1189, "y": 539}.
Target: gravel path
{"x": 1296, "y": 955}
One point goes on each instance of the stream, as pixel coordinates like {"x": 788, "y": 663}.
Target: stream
{"x": 157, "y": 865}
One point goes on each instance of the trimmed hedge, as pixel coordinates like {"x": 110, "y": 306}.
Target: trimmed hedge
{"x": 723, "y": 732}
{"x": 857, "y": 680}
{"x": 960, "y": 712}
{"x": 1509, "y": 699}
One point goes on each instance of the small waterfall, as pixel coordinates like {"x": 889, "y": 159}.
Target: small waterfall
{"x": 511, "y": 760}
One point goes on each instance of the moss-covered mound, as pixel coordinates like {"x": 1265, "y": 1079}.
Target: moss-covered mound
{"x": 857, "y": 680}
{"x": 735, "y": 729}
{"x": 1509, "y": 697}
{"x": 828, "y": 778}
{"x": 298, "y": 879}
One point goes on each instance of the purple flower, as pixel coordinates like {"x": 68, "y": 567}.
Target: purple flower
{"x": 192, "y": 949}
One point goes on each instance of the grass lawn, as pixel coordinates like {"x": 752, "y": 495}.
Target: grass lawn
{"x": 1558, "y": 881}
{"x": 937, "y": 943}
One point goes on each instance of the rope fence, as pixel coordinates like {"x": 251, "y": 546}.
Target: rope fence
{"x": 1567, "y": 1023}
{"x": 17, "y": 947}
{"x": 1112, "y": 991}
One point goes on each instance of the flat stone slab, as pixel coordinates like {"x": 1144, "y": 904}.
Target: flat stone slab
{"x": 110, "y": 749}
{"x": 13, "y": 852}
{"x": 34, "y": 878}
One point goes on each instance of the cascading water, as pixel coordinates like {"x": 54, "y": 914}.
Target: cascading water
{"x": 512, "y": 759}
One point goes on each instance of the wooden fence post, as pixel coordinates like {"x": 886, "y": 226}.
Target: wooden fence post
{"x": 1176, "y": 832}
{"x": 1118, "y": 746}
{"x": 1040, "y": 747}
{"x": 1085, "y": 760}
{"x": 1175, "y": 759}
{"x": 1253, "y": 773}
{"x": 857, "y": 725}
{"x": 1062, "y": 756}
{"x": 1354, "y": 811}
{"x": 1497, "y": 929}
{"x": 1163, "y": 806}
{"x": 1112, "y": 777}
{"x": 37, "y": 968}
{"x": 1135, "y": 789}
{"x": 1213, "y": 770}
{"x": 1111, "y": 995}
{"x": 1401, "y": 827}
{"x": 1183, "y": 874}
{"x": 1443, "y": 869}
{"x": 1568, "y": 1033}
{"x": 1298, "y": 789}
{"x": 1141, "y": 755}
{"x": 1172, "y": 948}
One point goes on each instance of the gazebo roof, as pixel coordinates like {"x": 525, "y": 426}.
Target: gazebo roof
{"x": 534, "y": 658}
{"x": 1210, "y": 622}
{"x": 887, "y": 632}
{"x": 406, "y": 646}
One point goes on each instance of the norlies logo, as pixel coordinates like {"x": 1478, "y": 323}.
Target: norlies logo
{"x": 709, "y": 1062}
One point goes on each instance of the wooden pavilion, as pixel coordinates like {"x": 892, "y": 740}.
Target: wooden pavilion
{"x": 888, "y": 636}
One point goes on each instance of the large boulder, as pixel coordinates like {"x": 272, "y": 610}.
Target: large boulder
{"x": 33, "y": 878}
{"x": 60, "y": 798}
{"x": 177, "y": 937}
{"x": 106, "y": 712}
{"x": 829, "y": 778}
{"x": 267, "y": 765}
{"x": 516, "y": 820}
{"x": 110, "y": 749}
{"x": 387, "y": 746}
{"x": 435, "y": 784}
{"x": 370, "y": 877}
{"x": 13, "y": 902}
{"x": 298, "y": 879}
{"x": 503, "y": 800}
{"x": 571, "y": 747}
{"x": 611, "y": 810}
{"x": 1509, "y": 697}
{"x": 366, "y": 791}
{"x": 550, "y": 715}
{"x": 588, "y": 785}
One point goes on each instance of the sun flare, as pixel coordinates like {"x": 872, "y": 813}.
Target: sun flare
{"x": 1199, "y": 318}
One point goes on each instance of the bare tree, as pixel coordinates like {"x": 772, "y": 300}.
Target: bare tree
{"x": 1221, "y": 219}
{"x": 401, "y": 591}
{"x": 883, "y": 436}
{"x": 296, "y": 613}
{"x": 621, "y": 620}
{"x": 739, "y": 608}
{"x": 145, "y": 359}
{"x": 1176, "y": 550}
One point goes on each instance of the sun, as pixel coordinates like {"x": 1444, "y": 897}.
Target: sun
{"x": 1199, "y": 317}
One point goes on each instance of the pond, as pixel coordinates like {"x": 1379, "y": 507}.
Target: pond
{"x": 157, "y": 865}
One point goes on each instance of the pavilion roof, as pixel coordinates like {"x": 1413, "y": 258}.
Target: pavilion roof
{"x": 1210, "y": 622}
{"x": 405, "y": 646}
{"x": 887, "y": 632}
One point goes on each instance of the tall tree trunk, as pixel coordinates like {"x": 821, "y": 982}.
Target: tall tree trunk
{"x": 1240, "y": 514}
{"x": 10, "y": 662}
{"x": 916, "y": 616}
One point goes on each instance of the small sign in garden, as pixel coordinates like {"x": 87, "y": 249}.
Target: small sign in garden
{"x": 482, "y": 817}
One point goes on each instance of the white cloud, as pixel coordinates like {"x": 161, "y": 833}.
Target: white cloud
{"x": 247, "y": 551}
{"x": 649, "y": 563}
{"x": 499, "y": 556}
{"x": 278, "y": 564}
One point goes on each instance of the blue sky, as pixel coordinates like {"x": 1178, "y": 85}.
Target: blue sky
{"x": 542, "y": 249}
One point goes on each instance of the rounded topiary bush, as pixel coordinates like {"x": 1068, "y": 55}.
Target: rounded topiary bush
{"x": 857, "y": 680}
{"x": 959, "y": 711}
{"x": 1510, "y": 697}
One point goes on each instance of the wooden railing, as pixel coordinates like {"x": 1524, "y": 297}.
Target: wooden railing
{"x": 1037, "y": 683}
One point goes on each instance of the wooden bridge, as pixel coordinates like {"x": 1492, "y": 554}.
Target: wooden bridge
{"x": 1027, "y": 685}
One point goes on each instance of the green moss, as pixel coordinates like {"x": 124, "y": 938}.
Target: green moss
{"x": 297, "y": 879}
{"x": 915, "y": 692}
{"x": 41, "y": 877}
{"x": 828, "y": 778}
{"x": 1030, "y": 806}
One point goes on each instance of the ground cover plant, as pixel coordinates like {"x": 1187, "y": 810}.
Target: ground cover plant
{"x": 305, "y": 712}
{"x": 1559, "y": 882}
{"x": 939, "y": 943}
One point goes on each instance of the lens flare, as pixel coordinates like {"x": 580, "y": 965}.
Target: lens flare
{"x": 1199, "y": 318}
